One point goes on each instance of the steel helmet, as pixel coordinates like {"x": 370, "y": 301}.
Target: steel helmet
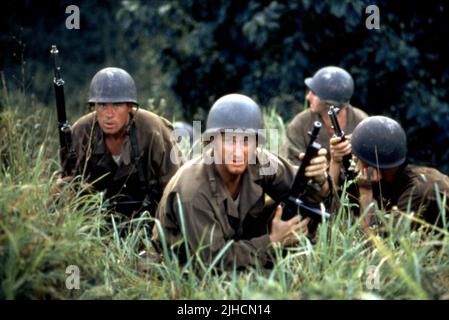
{"x": 380, "y": 142}
{"x": 111, "y": 85}
{"x": 234, "y": 111}
{"x": 332, "y": 84}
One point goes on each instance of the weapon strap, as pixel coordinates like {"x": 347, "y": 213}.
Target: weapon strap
{"x": 147, "y": 188}
{"x": 136, "y": 158}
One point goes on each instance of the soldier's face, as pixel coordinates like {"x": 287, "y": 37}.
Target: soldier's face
{"x": 316, "y": 104}
{"x": 112, "y": 117}
{"x": 235, "y": 152}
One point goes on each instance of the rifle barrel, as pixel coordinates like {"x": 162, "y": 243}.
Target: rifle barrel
{"x": 339, "y": 133}
{"x": 58, "y": 83}
{"x": 66, "y": 151}
{"x": 333, "y": 116}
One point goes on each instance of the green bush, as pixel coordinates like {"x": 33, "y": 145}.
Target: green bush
{"x": 186, "y": 54}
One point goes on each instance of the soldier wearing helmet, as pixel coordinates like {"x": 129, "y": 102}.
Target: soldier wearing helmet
{"x": 385, "y": 177}
{"x": 220, "y": 196}
{"x": 329, "y": 86}
{"x": 185, "y": 130}
{"x": 121, "y": 149}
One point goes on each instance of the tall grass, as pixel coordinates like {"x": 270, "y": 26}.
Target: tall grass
{"x": 42, "y": 233}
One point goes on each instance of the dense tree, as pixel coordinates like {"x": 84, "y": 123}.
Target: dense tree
{"x": 188, "y": 53}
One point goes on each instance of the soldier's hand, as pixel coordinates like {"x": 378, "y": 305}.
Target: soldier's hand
{"x": 367, "y": 176}
{"x": 317, "y": 169}
{"x": 285, "y": 232}
{"x": 59, "y": 185}
{"x": 339, "y": 148}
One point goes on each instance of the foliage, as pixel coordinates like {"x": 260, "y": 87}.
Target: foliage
{"x": 186, "y": 54}
{"x": 266, "y": 48}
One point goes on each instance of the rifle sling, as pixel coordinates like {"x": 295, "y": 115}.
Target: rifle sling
{"x": 145, "y": 187}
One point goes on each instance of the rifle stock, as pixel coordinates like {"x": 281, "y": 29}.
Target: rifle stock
{"x": 67, "y": 152}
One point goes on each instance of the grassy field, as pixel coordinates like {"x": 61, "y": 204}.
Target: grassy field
{"x": 43, "y": 235}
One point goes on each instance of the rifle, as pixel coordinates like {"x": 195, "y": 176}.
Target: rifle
{"x": 67, "y": 152}
{"x": 339, "y": 133}
{"x": 291, "y": 203}
{"x": 352, "y": 190}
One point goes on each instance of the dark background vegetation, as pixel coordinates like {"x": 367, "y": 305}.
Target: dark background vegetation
{"x": 185, "y": 54}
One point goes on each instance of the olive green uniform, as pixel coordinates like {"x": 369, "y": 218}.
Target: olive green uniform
{"x": 414, "y": 185}
{"x": 297, "y": 132}
{"x": 125, "y": 187}
{"x": 212, "y": 218}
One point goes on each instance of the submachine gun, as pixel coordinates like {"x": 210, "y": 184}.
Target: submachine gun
{"x": 292, "y": 203}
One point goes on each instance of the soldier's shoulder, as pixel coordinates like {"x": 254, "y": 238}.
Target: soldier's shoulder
{"x": 359, "y": 113}
{"x": 84, "y": 122}
{"x": 426, "y": 174}
{"x": 269, "y": 163}
{"x": 300, "y": 121}
{"x": 190, "y": 180}
{"x": 150, "y": 122}
{"x": 423, "y": 179}
{"x": 265, "y": 156}
{"x": 303, "y": 116}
